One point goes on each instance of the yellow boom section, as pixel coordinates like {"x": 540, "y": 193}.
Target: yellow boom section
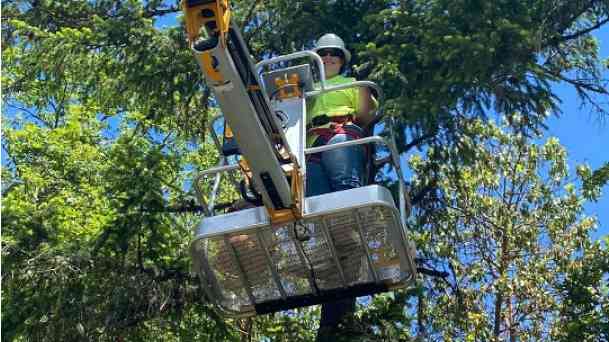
{"x": 214, "y": 15}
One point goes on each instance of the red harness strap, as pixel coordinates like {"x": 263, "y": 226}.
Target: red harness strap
{"x": 338, "y": 125}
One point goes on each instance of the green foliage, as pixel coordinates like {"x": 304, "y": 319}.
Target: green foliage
{"x": 97, "y": 160}
{"x": 585, "y": 311}
{"x": 593, "y": 182}
{"x": 87, "y": 244}
{"x": 442, "y": 60}
{"x": 295, "y": 325}
{"x": 518, "y": 243}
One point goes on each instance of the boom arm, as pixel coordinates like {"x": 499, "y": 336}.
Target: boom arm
{"x": 229, "y": 71}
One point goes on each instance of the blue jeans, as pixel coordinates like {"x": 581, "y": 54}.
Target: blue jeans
{"x": 336, "y": 170}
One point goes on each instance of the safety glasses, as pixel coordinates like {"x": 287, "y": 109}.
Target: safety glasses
{"x": 330, "y": 52}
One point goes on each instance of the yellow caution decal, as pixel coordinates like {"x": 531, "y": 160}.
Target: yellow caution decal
{"x": 206, "y": 60}
{"x": 228, "y": 133}
{"x": 288, "y": 86}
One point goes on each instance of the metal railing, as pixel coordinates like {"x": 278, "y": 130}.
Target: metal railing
{"x": 322, "y": 74}
{"x": 217, "y": 171}
{"x": 390, "y": 143}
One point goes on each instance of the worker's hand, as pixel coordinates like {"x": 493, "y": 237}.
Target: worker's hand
{"x": 365, "y": 115}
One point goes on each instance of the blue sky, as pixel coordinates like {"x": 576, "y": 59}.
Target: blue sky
{"x": 585, "y": 135}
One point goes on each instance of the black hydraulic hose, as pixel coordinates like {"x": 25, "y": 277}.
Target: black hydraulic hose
{"x": 240, "y": 57}
{"x": 241, "y": 60}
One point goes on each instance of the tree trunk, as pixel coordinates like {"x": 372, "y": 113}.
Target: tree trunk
{"x": 510, "y": 321}
{"x": 332, "y": 315}
{"x": 499, "y": 296}
{"x": 421, "y": 319}
{"x": 498, "y": 304}
{"x": 245, "y": 329}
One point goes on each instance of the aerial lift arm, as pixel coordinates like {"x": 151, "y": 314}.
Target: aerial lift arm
{"x": 224, "y": 58}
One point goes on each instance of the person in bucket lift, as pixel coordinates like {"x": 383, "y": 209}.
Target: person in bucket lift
{"x": 335, "y": 117}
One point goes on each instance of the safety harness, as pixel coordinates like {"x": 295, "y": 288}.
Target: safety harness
{"x": 340, "y": 124}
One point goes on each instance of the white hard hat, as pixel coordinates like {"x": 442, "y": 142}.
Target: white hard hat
{"x": 332, "y": 41}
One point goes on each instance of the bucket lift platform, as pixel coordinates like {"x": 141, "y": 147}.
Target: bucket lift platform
{"x": 293, "y": 250}
{"x": 349, "y": 243}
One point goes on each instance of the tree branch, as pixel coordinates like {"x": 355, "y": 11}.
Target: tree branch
{"x": 581, "y": 88}
{"x": 30, "y": 113}
{"x": 189, "y": 208}
{"x": 583, "y": 32}
{"x": 417, "y": 141}
{"x": 161, "y": 12}
{"x": 421, "y": 194}
{"x": 572, "y": 14}
{"x": 250, "y": 13}
{"x": 433, "y": 273}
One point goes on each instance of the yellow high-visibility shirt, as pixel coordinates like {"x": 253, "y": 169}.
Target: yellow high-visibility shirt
{"x": 335, "y": 103}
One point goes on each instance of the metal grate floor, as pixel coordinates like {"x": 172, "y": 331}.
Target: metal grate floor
{"x": 242, "y": 268}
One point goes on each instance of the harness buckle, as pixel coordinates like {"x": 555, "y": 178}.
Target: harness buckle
{"x": 320, "y": 120}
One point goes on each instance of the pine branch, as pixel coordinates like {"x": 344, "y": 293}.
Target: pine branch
{"x": 418, "y": 197}
{"x": 417, "y": 141}
{"x": 250, "y": 13}
{"x": 573, "y": 13}
{"x": 432, "y": 272}
{"x": 161, "y": 11}
{"x": 583, "y": 32}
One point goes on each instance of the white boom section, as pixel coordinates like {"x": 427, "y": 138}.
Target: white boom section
{"x": 248, "y": 112}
